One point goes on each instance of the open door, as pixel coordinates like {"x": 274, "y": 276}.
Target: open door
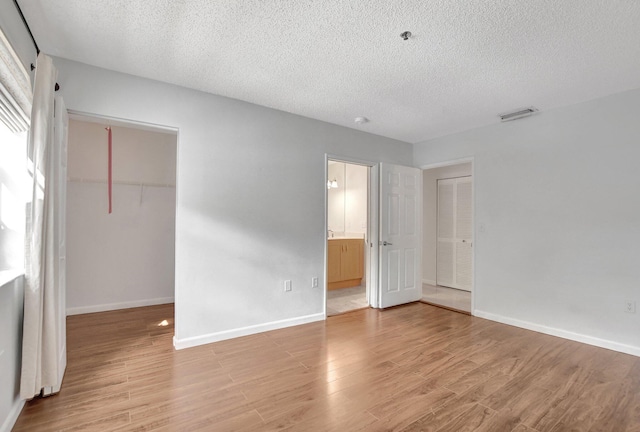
{"x": 400, "y": 235}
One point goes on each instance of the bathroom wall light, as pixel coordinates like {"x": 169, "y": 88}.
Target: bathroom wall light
{"x": 332, "y": 184}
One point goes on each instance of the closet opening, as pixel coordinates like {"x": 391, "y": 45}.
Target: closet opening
{"x": 124, "y": 258}
{"x": 447, "y": 266}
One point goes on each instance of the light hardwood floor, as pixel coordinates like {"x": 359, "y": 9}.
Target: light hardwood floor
{"x": 447, "y": 297}
{"x": 411, "y": 368}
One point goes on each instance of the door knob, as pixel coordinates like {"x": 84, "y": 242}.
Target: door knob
{"x": 387, "y": 244}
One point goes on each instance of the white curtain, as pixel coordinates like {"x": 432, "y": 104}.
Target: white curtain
{"x": 43, "y": 355}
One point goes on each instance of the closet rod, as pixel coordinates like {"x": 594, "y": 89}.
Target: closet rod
{"x": 33, "y": 39}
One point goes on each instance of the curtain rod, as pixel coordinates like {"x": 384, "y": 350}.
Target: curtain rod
{"x": 33, "y": 39}
{"x": 24, "y": 20}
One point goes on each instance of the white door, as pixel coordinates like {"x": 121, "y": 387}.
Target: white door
{"x": 400, "y": 235}
{"x": 455, "y": 231}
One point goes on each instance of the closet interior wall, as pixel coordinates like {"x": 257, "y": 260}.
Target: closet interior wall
{"x": 126, "y": 258}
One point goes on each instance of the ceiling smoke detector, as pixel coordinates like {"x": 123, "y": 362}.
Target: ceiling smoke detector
{"x": 361, "y": 120}
{"x": 513, "y": 115}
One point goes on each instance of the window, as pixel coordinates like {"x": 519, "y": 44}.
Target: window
{"x": 15, "y": 183}
{"x": 14, "y": 194}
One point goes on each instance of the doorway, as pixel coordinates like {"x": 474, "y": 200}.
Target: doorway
{"x": 348, "y": 240}
{"x": 448, "y": 236}
{"x": 124, "y": 258}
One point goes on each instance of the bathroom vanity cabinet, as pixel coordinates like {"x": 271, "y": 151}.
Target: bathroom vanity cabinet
{"x": 345, "y": 266}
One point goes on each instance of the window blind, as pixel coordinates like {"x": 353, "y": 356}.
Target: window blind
{"x": 15, "y": 89}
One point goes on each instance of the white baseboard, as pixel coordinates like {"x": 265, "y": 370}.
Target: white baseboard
{"x": 114, "y": 306}
{"x": 11, "y": 419}
{"x": 428, "y": 281}
{"x": 244, "y": 331}
{"x": 578, "y": 337}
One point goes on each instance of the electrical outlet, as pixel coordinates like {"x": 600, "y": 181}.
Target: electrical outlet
{"x": 287, "y": 285}
{"x": 630, "y": 306}
{"x": 314, "y": 282}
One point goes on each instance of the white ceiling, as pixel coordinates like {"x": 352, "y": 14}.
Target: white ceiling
{"x": 334, "y": 60}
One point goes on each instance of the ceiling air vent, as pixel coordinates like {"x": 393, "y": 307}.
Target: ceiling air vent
{"x": 513, "y": 115}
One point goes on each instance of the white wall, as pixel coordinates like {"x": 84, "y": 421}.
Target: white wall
{"x": 11, "y": 309}
{"x": 557, "y": 196}
{"x": 250, "y": 199}
{"x": 335, "y": 197}
{"x": 347, "y": 204}
{"x": 430, "y": 179}
{"x": 355, "y": 214}
{"x": 126, "y": 258}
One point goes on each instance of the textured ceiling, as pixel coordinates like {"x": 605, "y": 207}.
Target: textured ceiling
{"x": 334, "y": 60}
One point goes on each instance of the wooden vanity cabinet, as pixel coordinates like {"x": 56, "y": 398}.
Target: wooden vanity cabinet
{"x": 345, "y": 263}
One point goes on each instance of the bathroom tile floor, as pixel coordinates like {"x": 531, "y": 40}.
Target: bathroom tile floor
{"x": 346, "y": 299}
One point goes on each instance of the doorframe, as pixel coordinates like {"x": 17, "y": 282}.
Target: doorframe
{"x": 150, "y": 127}
{"x": 372, "y": 250}
{"x": 470, "y": 159}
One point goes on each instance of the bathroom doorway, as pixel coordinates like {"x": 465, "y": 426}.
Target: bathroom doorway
{"x": 348, "y": 243}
